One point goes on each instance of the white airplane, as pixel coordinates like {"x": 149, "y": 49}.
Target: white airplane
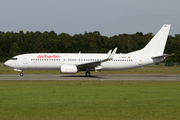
{"x": 151, "y": 54}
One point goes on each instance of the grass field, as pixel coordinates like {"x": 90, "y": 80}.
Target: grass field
{"x": 89, "y": 100}
{"x": 155, "y": 69}
{"x": 106, "y": 100}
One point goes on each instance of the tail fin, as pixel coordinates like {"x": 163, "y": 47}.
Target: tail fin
{"x": 157, "y": 44}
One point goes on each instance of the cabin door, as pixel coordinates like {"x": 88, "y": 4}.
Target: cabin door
{"x": 24, "y": 60}
{"x": 140, "y": 60}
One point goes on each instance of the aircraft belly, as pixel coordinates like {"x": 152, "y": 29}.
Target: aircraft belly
{"x": 119, "y": 66}
{"x": 43, "y": 66}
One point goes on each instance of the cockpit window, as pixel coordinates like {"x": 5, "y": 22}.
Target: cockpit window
{"x": 14, "y": 58}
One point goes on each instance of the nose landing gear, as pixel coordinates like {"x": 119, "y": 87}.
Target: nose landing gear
{"x": 21, "y": 74}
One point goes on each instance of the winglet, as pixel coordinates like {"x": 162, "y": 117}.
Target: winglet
{"x": 111, "y": 56}
{"x": 109, "y": 52}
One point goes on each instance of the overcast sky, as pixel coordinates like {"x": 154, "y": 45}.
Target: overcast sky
{"x": 109, "y": 17}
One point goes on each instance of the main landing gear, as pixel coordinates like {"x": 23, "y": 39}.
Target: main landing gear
{"x": 88, "y": 74}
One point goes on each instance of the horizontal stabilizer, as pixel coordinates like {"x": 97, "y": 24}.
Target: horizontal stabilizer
{"x": 165, "y": 55}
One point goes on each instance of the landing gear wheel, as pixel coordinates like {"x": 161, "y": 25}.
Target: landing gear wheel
{"x": 21, "y": 74}
{"x": 88, "y": 74}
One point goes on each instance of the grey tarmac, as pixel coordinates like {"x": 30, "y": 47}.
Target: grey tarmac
{"x": 93, "y": 77}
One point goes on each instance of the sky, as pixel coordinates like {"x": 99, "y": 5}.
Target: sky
{"x": 109, "y": 17}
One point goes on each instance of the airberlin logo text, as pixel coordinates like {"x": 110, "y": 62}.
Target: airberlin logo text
{"x": 48, "y": 56}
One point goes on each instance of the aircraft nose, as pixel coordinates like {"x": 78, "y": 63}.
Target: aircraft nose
{"x": 7, "y": 63}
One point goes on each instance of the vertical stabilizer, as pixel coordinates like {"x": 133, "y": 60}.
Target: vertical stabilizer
{"x": 156, "y": 45}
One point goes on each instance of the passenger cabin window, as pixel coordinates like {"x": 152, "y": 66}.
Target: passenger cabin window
{"x": 14, "y": 58}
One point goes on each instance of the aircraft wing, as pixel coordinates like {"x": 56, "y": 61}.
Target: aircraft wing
{"x": 96, "y": 64}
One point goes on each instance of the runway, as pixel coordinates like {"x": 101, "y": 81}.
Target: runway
{"x": 93, "y": 77}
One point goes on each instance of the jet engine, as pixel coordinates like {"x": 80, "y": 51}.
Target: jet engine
{"x": 70, "y": 69}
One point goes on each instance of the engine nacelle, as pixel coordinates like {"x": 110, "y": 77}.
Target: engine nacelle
{"x": 70, "y": 69}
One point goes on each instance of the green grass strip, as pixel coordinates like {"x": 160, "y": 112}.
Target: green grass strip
{"x": 139, "y": 100}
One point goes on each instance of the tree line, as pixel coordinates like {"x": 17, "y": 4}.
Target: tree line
{"x": 12, "y": 43}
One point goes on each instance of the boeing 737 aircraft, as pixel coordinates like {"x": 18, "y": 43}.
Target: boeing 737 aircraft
{"x": 151, "y": 54}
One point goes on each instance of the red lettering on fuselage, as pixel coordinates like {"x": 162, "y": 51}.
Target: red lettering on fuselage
{"x": 48, "y": 56}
